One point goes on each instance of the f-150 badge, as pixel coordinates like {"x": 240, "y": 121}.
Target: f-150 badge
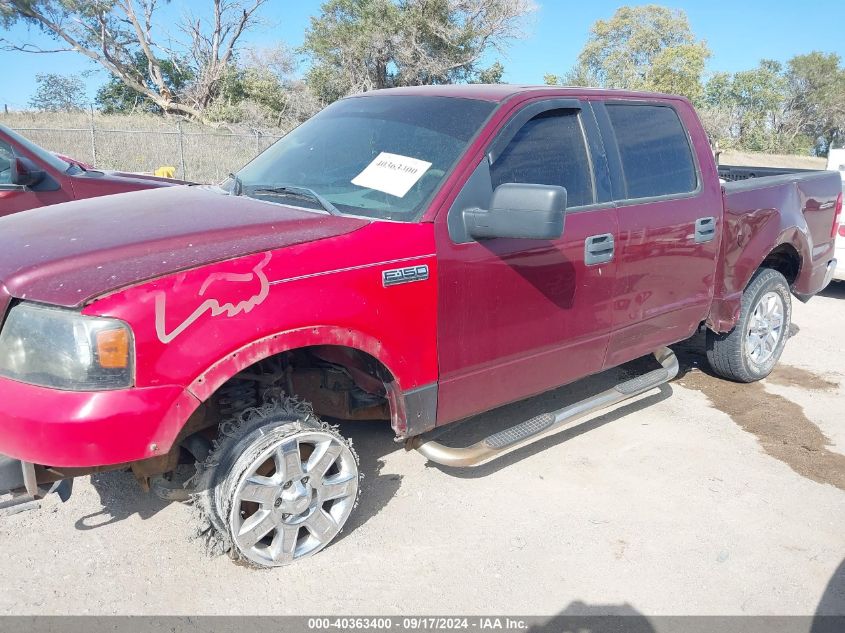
{"x": 404, "y": 275}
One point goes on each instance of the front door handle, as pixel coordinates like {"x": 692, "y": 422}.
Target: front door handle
{"x": 705, "y": 229}
{"x": 598, "y": 249}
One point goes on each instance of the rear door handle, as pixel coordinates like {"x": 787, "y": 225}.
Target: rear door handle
{"x": 705, "y": 229}
{"x": 598, "y": 249}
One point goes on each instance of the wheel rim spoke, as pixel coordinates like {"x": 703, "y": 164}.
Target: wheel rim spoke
{"x": 338, "y": 487}
{"x": 260, "y": 489}
{"x": 322, "y": 458}
{"x": 753, "y": 345}
{"x": 283, "y": 548}
{"x": 322, "y": 526}
{"x": 255, "y": 528}
{"x": 289, "y": 460}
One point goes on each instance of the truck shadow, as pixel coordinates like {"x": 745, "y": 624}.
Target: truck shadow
{"x": 120, "y": 498}
{"x": 372, "y": 441}
{"x": 830, "y": 613}
{"x": 596, "y": 618}
{"x": 835, "y": 290}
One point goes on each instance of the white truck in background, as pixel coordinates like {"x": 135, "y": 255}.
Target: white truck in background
{"x": 836, "y": 162}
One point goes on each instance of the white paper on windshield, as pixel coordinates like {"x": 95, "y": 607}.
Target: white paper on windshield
{"x": 392, "y": 173}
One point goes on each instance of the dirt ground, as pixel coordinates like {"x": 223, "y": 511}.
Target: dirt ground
{"x": 758, "y": 159}
{"x": 704, "y": 497}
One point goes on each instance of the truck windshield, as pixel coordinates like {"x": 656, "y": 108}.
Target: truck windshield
{"x": 379, "y": 156}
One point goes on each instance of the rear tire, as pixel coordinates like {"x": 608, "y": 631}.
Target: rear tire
{"x": 751, "y": 350}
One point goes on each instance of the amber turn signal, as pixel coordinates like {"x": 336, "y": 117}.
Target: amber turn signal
{"x": 113, "y": 348}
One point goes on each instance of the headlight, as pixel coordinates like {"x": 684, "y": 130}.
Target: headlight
{"x": 63, "y": 349}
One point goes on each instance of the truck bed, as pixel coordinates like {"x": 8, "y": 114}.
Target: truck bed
{"x": 732, "y": 173}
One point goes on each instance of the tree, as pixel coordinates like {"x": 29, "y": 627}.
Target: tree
{"x": 113, "y": 33}
{"x": 261, "y": 90}
{"x": 816, "y": 84}
{"x": 58, "y": 93}
{"x": 642, "y": 48}
{"x": 758, "y": 109}
{"x": 491, "y": 75}
{"x": 758, "y": 97}
{"x": 117, "y": 97}
{"x": 358, "y": 45}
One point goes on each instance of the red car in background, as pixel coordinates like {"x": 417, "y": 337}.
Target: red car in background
{"x": 30, "y": 177}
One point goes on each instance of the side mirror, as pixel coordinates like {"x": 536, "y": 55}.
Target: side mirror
{"x": 519, "y": 210}
{"x": 25, "y": 173}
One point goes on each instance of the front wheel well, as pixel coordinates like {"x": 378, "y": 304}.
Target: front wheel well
{"x": 339, "y": 383}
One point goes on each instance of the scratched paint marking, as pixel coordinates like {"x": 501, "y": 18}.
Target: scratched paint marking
{"x": 214, "y": 306}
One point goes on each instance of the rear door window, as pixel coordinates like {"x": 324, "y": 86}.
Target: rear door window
{"x": 654, "y": 149}
{"x": 549, "y": 150}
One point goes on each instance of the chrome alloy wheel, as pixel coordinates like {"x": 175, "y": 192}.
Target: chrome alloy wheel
{"x": 765, "y": 328}
{"x": 294, "y": 498}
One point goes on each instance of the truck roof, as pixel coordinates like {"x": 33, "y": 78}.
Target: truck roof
{"x": 502, "y": 92}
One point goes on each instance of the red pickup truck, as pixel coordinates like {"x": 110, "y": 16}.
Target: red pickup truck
{"x": 31, "y": 177}
{"x": 413, "y": 255}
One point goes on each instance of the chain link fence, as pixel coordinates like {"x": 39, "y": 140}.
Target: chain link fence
{"x": 198, "y": 156}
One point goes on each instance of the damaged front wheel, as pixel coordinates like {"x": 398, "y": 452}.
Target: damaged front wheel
{"x": 279, "y": 486}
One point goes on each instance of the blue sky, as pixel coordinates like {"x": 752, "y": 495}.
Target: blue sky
{"x": 739, "y": 33}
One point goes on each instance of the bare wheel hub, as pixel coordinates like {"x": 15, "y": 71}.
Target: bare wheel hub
{"x": 294, "y": 498}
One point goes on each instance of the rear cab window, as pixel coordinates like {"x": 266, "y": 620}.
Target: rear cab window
{"x": 654, "y": 150}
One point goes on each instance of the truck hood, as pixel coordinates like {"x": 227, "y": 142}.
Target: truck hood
{"x": 68, "y": 254}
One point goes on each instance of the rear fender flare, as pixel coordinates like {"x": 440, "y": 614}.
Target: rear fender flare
{"x": 724, "y": 312}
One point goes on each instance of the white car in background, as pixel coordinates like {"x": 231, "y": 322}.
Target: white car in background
{"x": 836, "y": 162}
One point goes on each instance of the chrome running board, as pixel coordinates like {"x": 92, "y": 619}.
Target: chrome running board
{"x": 505, "y": 441}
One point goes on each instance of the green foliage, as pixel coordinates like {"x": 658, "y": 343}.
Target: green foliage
{"x": 58, "y": 93}
{"x": 642, "y": 48}
{"x": 358, "y": 45}
{"x": 260, "y": 92}
{"x": 491, "y": 75}
{"x": 816, "y": 84}
{"x": 772, "y": 108}
{"x": 116, "y": 97}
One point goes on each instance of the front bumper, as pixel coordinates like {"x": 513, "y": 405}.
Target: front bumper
{"x": 85, "y": 429}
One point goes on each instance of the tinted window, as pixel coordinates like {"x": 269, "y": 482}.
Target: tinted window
{"x": 549, "y": 150}
{"x": 654, "y": 149}
{"x": 330, "y": 152}
{"x": 6, "y": 157}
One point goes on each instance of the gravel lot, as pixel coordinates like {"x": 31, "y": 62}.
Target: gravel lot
{"x": 703, "y": 498}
